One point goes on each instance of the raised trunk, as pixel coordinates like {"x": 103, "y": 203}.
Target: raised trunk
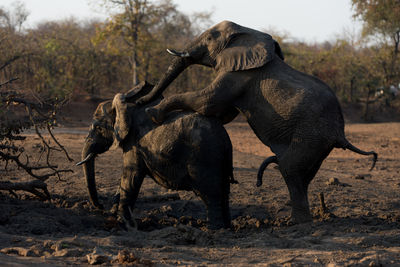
{"x": 88, "y": 170}
{"x": 177, "y": 66}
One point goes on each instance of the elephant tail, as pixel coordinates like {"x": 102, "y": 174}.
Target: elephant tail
{"x": 263, "y": 166}
{"x": 345, "y": 144}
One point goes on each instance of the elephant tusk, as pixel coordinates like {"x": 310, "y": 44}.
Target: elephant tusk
{"x": 178, "y": 54}
{"x": 88, "y": 157}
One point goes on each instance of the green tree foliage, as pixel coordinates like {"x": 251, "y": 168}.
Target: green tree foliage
{"x": 381, "y": 19}
{"x": 140, "y": 30}
{"x": 19, "y": 110}
{"x": 62, "y": 60}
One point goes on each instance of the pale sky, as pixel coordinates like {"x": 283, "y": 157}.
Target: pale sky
{"x": 305, "y": 20}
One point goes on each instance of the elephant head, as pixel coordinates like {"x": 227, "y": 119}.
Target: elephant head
{"x": 99, "y": 140}
{"x": 110, "y": 121}
{"x": 225, "y": 47}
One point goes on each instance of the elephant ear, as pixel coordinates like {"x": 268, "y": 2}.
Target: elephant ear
{"x": 122, "y": 120}
{"x": 246, "y": 50}
{"x": 103, "y": 111}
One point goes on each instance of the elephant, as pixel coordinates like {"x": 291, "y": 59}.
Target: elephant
{"x": 187, "y": 152}
{"x": 295, "y": 114}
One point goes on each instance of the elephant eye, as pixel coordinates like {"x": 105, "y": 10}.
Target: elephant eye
{"x": 215, "y": 35}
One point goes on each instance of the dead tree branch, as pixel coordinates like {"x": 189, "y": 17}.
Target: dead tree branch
{"x": 37, "y": 116}
{"x": 32, "y": 187}
{"x": 8, "y": 82}
{"x": 30, "y": 169}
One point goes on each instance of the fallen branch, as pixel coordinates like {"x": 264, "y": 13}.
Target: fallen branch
{"x": 289, "y": 260}
{"x": 322, "y": 209}
{"x": 324, "y": 212}
{"x": 9, "y": 81}
{"x": 32, "y": 187}
{"x": 38, "y": 115}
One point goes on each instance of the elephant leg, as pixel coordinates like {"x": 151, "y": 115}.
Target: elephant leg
{"x": 298, "y": 199}
{"x": 228, "y": 115}
{"x": 298, "y": 166}
{"x": 215, "y": 100}
{"x": 218, "y": 211}
{"x": 201, "y": 102}
{"x": 131, "y": 181}
{"x": 115, "y": 202}
{"x": 217, "y": 203}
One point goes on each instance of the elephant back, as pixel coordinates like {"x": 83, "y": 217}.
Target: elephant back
{"x": 193, "y": 142}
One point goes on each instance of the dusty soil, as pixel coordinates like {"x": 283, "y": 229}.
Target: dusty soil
{"x": 363, "y": 227}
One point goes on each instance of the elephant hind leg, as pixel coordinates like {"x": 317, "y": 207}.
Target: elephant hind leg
{"x": 298, "y": 167}
{"x": 298, "y": 199}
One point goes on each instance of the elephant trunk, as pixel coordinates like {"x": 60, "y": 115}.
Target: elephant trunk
{"x": 178, "y": 65}
{"x": 88, "y": 158}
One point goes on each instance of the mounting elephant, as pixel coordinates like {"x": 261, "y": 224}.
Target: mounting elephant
{"x": 295, "y": 114}
{"x": 187, "y": 152}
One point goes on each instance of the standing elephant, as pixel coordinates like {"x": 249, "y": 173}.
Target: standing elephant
{"x": 187, "y": 152}
{"x": 295, "y": 114}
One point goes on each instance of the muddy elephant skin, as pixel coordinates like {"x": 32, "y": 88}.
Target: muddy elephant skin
{"x": 187, "y": 152}
{"x": 297, "y": 115}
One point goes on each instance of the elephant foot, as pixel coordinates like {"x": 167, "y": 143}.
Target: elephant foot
{"x": 127, "y": 225}
{"x": 114, "y": 209}
{"x": 155, "y": 115}
{"x": 219, "y": 221}
{"x": 98, "y": 206}
{"x": 115, "y": 201}
{"x": 127, "y": 222}
{"x": 217, "y": 226}
{"x": 300, "y": 215}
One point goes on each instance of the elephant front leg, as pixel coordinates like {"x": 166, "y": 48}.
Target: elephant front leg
{"x": 115, "y": 202}
{"x": 191, "y": 101}
{"x": 131, "y": 182}
{"x": 215, "y": 100}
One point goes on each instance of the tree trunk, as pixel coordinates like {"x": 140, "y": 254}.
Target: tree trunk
{"x": 366, "y": 113}
{"x": 351, "y": 89}
{"x": 134, "y": 70}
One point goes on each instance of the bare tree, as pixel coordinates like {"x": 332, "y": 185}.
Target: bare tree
{"x": 19, "y": 112}
{"x": 38, "y": 116}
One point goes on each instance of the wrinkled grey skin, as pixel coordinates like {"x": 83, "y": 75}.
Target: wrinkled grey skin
{"x": 186, "y": 152}
{"x": 295, "y": 114}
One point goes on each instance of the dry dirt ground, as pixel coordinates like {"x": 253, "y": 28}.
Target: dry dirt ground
{"x": 363, "y": 228}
